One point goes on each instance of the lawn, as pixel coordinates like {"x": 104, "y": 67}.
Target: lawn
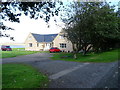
{"x": 17, "y": 52}
{"x": 109, "y": 56}
{"x": 0, "y": 76}
{"x": 22, "y": 76}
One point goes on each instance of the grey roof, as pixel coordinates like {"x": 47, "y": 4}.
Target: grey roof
{"x": 45, "y": 37}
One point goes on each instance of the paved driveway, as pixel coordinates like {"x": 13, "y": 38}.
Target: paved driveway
{"x": 66, "y": 74}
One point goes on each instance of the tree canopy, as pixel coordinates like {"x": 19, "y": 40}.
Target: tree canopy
{"x": 40, "y": 9}
{"x": 92, "y": 24}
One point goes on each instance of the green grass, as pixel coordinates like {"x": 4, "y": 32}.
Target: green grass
{"x": 109, "y": 56}
{"x": 18, "y": 52}
{"x": 0, "y": 76}
{"x": 22, "y": 76}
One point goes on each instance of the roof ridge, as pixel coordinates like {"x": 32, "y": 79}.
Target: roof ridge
{"x": 44, "y": 34}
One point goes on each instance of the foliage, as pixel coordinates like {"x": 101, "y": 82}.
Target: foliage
{"x": 22, "y": 76}
{"x": 92, "y": 24}
{"x": 40, "y": 9}
{"x": 109, "y": 56}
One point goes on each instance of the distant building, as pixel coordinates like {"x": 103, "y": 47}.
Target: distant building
{"x": 39, "y": 42}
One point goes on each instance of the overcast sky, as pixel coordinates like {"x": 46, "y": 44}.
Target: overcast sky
{"x": 28, "y": 25}
{"x": 39, "y": 26}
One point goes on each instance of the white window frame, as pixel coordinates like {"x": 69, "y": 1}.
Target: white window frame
{"x": 30, "y": 44}
{"x": 37, "y": 44}
{"x": 50, "y": 44}
{"x": 63, "y": 45}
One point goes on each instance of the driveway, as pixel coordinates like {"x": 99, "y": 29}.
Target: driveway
{"x": 66, "y": 74}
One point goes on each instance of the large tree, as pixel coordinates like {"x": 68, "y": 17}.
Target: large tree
{"x": 11, "y": 10}
{"x": 92, "y": 24}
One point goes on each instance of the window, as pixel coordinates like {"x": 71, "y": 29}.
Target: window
{"x": 62, "y": 45}
{"x": 7, "y": 46}
{"x": 30, "y": 44}
{"x": 61, "y": 37}
{"x": 51, "y": 44}
{"x": 54, "y": 48}
{"x": 37, "y": 44}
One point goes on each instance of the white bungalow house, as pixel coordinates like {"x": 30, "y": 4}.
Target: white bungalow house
{"x": 40, "y": 42}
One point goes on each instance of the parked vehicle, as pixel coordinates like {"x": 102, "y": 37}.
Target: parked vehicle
{"x": 54, "y": 49}
{"x": 6, "y": 48}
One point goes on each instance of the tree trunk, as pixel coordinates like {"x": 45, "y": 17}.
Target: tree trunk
{"x": 74, "y": 51}
{"x": 75, "y": 56}
{"x": 84, "y": 50}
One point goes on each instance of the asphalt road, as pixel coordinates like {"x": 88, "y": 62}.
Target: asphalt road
{"x": 66, "y": 74}
{"x": 111, "y": 79}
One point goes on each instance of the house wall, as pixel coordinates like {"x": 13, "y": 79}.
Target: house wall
{"x": 35, "y": 45}
{"x": 59, "y": 39}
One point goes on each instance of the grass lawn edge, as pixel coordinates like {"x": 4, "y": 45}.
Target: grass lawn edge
{"x": 36, "y": 74}
{"x": 105, "y": 57}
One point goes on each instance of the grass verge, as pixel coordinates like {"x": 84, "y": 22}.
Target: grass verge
{"x": 18, "y": 52}
{"x": 22, "y": 76}
{"x": 109, "y": 56}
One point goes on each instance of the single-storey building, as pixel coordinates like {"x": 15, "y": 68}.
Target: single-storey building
{"x": 40, "y": 42}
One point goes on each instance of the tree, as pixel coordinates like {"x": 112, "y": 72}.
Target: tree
{"x": 39, "y": 9}
{"x": 92, "y": 24}
{"x": 105, "y": 29}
